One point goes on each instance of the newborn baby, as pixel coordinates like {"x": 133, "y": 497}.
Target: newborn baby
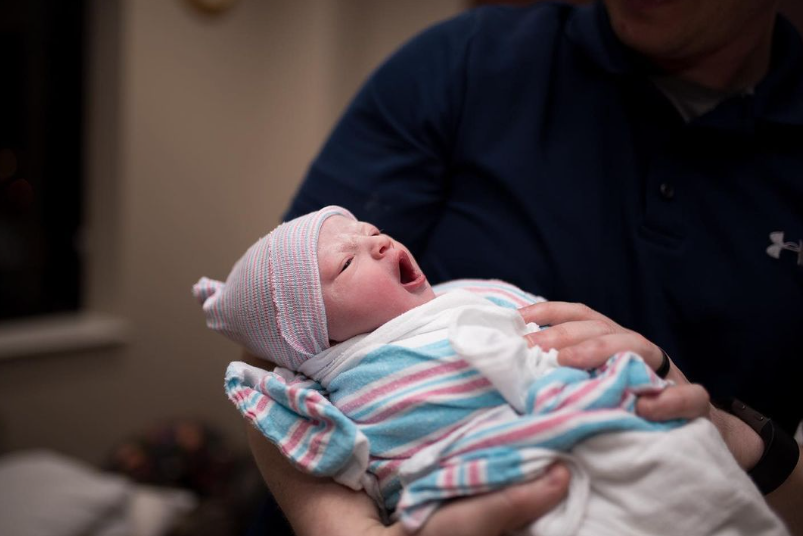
{"x": 419, "y": 395}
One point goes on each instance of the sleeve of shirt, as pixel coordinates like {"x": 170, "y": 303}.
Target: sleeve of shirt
{"x": 388, "y": 158}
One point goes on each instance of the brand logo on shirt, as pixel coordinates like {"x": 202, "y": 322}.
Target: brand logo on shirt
{"x": 778, "y": 245}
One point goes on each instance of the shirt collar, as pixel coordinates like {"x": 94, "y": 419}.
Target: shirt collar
{"x": 778, "y": 97}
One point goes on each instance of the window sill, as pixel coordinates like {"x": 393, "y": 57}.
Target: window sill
{"x": 61, "y": 333}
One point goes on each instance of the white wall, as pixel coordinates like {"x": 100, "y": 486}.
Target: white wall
{"x": 201, "y": 129}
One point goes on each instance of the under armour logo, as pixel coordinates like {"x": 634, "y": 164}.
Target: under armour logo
{"x": 774, "y": 250}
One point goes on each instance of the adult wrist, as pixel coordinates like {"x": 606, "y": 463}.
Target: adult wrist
{"x": 780, "y": 454}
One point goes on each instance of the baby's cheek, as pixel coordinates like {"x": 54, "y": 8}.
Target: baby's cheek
{"x": 380, "y": 305}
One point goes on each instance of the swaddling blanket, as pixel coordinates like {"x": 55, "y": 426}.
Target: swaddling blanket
{"x": 425, "y": 409}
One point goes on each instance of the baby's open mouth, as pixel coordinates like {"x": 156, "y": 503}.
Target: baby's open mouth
{"x": 407, "y": 272}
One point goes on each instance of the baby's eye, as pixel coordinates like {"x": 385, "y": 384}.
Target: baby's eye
{"x": 346, "y": 265}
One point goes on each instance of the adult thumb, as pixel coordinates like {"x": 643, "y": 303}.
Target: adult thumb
{"x": 502, "y": 511}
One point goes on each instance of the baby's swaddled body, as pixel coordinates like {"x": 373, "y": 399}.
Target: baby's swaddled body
{"x": 447, "y": 401}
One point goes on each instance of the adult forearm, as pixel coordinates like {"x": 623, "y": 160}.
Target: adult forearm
{"x": 746, "y": 446}
{"x": 787, "y": 500}
{"x": 742, "y": 441}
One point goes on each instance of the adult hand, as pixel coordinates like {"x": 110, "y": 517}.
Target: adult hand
{"x": 586, "y": 339}
{"x": 498, "y": 513}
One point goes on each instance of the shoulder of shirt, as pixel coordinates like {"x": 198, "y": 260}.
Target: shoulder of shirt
{"x": 494, "y": 290}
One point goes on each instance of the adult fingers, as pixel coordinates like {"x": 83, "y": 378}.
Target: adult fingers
{"x": 592, "y": 353}
{"x": 554, "y": 312}
{"x": 687, "y": 401}
{"x": 569, "y": 333}
{"x": 500, "y": 512}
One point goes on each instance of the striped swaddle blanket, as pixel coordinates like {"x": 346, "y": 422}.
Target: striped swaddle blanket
{"x": 401, "y": 413}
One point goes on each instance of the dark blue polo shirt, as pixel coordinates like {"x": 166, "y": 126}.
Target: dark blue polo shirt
{"x": 528, "y": 144}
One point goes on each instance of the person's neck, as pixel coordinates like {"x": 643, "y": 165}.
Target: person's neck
{"x": 738, "y": 65}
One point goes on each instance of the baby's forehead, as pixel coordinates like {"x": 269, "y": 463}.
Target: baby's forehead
{"x": 337, "y": 234}
{"x": 339, "y": 228}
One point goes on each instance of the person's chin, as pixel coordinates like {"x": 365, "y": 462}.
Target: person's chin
{"x": 653, "y": 41}
{"x": 647, "y": 25}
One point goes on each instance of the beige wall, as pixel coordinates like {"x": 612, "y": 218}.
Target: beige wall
{"x": 200, "y": 129}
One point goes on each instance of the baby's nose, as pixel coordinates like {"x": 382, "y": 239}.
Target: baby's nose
{"x": 380, "y": 244}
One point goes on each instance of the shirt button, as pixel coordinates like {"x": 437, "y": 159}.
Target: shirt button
{"x": 667, "y": 191}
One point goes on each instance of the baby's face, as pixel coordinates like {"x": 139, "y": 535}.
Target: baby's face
{"x": 367, "y": 278}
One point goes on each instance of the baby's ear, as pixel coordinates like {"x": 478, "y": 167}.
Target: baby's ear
{"x": 206, "y": 288}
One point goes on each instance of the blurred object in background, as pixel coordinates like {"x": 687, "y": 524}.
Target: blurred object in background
{"x": 212, "y": 7}
{"x": 174, "y": 479}
{"x": 46, "y": 493}
{"x": 181, "y": 454}
{"x": 192, "y": 456}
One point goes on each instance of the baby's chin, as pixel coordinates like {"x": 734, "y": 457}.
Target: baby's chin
{"x": 421, "y": 297}
{"x": 428, "y": 295}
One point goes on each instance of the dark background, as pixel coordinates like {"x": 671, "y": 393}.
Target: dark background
{"x": 41, "y": 145}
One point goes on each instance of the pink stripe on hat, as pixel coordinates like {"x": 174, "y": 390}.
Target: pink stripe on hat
{"x": 272, "y": 301}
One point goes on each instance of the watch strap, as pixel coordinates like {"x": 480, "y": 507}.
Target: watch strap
{"x": 781, "y": 451}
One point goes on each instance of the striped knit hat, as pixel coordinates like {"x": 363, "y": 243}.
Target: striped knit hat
{"x": 271, "y": 302}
